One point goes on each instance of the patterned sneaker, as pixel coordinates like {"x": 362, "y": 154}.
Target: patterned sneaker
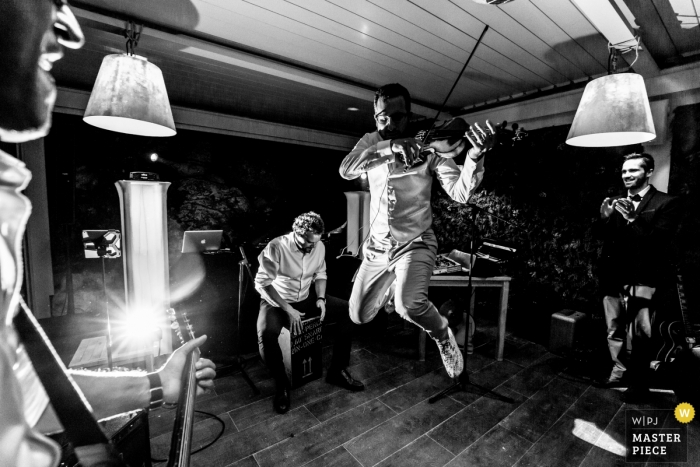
{"x": 451, "y": 356}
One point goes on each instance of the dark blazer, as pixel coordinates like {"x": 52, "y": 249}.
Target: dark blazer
{"x": 639, "y": 253}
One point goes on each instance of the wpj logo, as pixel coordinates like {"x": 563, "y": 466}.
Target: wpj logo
{"x": 657, "y": 435}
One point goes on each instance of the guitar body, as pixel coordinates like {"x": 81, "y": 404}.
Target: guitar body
{"x": 673, "y": 338}
{"x": 679, "y": 358}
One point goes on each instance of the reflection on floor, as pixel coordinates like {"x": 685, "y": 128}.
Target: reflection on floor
{"x": 556, "y": 418}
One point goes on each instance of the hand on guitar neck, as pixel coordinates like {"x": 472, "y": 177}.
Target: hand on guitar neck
{"x": 171, "y": 373}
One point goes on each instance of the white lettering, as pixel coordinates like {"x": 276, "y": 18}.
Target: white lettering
{"x": 649, "y": 450}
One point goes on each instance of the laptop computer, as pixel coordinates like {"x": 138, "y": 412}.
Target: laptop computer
{"x": 199, "y": 241}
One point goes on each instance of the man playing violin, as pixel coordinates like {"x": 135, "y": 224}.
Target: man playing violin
{"x": 401, "y": 246}
{"x": 32, "y": 36}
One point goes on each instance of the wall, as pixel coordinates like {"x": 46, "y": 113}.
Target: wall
{"x": 251, "y": 189}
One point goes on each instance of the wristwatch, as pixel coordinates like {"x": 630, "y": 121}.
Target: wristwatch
{"x": 155, "y": 390}
{"x": 321, "y": 298}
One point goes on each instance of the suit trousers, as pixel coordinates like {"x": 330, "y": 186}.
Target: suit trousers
{"x": 627, "y": 317}
{"x": 410, "y": 265}
{"x": 272, "y": 319}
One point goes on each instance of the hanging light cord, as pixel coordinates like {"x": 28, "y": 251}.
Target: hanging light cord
{"x": 132, "y": 34}
{"x": 616, "y": 49}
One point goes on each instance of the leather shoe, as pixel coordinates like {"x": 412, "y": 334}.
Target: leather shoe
{"x": 344, "y": 379}
{"x": 281, "y": 401}
{"x": 611, "y": 383}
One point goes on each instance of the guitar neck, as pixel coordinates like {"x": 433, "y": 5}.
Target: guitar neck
{"x": 181, "y": 441}
{"x": 690, "y": 331}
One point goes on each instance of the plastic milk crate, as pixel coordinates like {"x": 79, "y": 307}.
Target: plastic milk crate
{"x": 565, "y": 328}
{"x": 302, "y": 353}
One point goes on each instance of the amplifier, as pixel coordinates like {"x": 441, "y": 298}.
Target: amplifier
{"x": 128, "y": 433}
{"x": 566, "y": 326}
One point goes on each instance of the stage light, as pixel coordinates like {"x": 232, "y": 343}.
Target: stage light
{"x": 363, "y": 176}
{"x": 154, "y": 157}
{"x": 353, "y": 109}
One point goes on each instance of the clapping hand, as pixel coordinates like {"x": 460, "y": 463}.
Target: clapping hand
{"x": 607, "y": 208}
{"x": 625, "y": 207}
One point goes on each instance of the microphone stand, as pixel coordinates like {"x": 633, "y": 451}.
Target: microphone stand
{"x": 462, "y": 381}
{"x": 243, "y": 266}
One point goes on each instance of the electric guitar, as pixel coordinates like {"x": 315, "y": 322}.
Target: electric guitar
{"x": 181, "y": 441}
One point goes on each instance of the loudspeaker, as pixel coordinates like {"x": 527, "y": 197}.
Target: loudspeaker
{"x": 212, "y": 306}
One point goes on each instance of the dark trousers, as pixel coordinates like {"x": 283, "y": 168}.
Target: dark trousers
{"x": 628, "y": 318}
{"x": 272, "y": 319}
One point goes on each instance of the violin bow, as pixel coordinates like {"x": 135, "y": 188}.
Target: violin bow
{"x": 442, "y": 107}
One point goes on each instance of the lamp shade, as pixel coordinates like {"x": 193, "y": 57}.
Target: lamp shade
{"x": 614, "y": 111}
{"x": 129, "y": 96}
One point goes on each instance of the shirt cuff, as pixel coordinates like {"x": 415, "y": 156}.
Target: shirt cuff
{"x": 384, "y": 149}
{"x": 321, "y": 275}
{"x": 468, "y": 161}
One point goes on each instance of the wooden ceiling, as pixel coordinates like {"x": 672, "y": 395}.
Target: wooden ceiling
{"x": 305, "y": 62}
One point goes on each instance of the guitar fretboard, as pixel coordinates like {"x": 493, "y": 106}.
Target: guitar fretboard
{"x": 692, "y": 330}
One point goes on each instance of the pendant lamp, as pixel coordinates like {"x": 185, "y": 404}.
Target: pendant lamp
{"x": 129, "y": 95}
{"x": 614, "y": 111}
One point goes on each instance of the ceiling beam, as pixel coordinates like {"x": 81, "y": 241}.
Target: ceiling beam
{"x": 611, "y": 19}
{"x": 560, "y": 109}
{"x": 73, "y": 102}
{"x": 209, "y": 50}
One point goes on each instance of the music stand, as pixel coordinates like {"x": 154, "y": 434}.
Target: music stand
{"x": 103, "y": 244}
{"x": 462, "y": 381}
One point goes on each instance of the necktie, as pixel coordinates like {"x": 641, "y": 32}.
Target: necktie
{"x": 636, "y": 198}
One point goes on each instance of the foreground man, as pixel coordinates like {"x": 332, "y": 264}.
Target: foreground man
{"x": 32, "y": 33}
{"x": 288, "y": 266}
{"x": 637, "y": 230}
{"x": 402, "y": 245}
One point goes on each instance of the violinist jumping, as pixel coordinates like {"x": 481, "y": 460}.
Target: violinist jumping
{"x": 400, "y": 252}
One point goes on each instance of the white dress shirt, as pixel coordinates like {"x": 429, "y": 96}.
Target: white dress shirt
{"x": 400, "y": 199}
{"x": 288, "y": 269}
{"x": 641, "y": 195}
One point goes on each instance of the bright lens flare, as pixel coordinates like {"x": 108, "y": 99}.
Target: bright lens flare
{"x": 140, "y": 327}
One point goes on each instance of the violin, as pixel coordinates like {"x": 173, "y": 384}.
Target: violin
{"x": 445, "y": 140}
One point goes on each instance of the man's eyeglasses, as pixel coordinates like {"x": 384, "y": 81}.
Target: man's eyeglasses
{"x": 383, "y": 119}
